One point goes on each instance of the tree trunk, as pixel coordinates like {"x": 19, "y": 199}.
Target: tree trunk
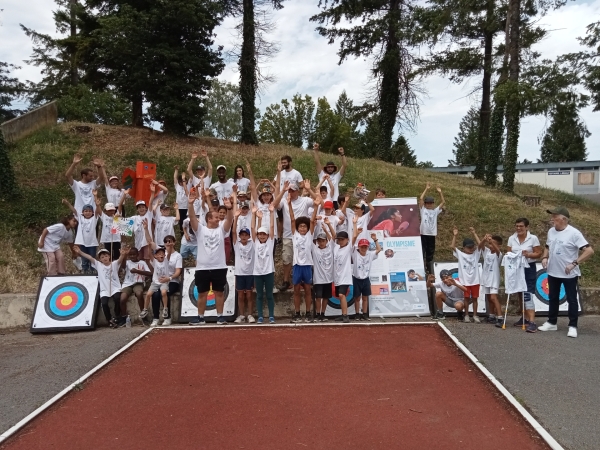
{"x": 138, "y": 113}
{"x": 73, "y": 22}
{"x": 248, "y": 80}
{"x": 513, "y": 103}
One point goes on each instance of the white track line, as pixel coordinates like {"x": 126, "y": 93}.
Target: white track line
{"x": 554, "y": 445}
{"x": 68, "y": 389}
{"x": 266, "y": 325}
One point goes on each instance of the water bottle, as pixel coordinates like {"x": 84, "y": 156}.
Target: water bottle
{"x": 128, "y": 322}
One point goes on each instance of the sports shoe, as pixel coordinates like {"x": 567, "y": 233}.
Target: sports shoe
{"x": 440, "y": 316}
{"x": 519, "y": 322}
{"x": 345, "y": 319}
{"x": 166, "y": 323}
{"x": 165, "y": 313}
{"x": 460, "y": 316}
{"x": 251, "y": 319}
{"x": 308, "y": 317}
{"x": 467, "y": 319}
{"x": 275, "y": 290}
{"x": 240, "y": 319}
{"x": 572, "y": 332}
{"x": 197, "y": 321}
{"x": 144, "y": 313}
{"x": 324, "y": 318}
{"x": 260, "y": 320}
{"x": 531, "y": 327}
{"x": 476, "y": 319}
{"x": 548, "y": 327}
{"x": 363, "y": 316}
{"x": 491, "y": 319}
{"x": 121, "y": 322}
{"x": 296, "y": 318}
{"x": 221, "y": 321}
{"x": 285, "y": 286}
{"x": 154, "y": 323}
{"x": 499, "y": 323}
{"x": 271, "y": 319}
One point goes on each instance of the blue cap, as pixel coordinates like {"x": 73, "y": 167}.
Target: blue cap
{"x": 88, "y": 206}
{"x": 244, "y": 230}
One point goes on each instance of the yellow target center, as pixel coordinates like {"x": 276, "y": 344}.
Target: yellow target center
{"x": 66, "y": 300}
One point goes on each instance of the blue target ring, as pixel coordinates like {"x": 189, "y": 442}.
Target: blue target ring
{"x": 542, "y": 291}
{"x": 66, "y": 301}
{"x": 334, "y": 301}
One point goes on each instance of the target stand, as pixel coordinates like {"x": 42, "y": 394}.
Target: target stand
{"x": 65, "y": 303}
{"x": 189, "y": 298}
{"x": 541, "y": 297}
{"x": 334, "y": 308}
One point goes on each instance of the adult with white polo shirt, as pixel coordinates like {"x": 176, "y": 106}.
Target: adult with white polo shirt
{"x": 331, "y": 170}
{"x": 530, "y": 248}
{"x": 83, "y": 189}
{"x": 561, "y": 260}
{"x": 199, "y": 173}
{"x": 211, "y": 266}
{"x": 300, "y": 206}
{"x": 223, "y": 187}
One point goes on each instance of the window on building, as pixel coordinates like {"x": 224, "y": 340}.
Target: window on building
{"x": 586, "y": 178}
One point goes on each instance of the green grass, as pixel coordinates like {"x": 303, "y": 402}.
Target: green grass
{"x": 40, "y": 162}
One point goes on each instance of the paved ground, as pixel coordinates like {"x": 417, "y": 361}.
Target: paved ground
{"x": 556, "y": 378}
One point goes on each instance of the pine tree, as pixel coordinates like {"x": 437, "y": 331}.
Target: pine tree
{"x": 10, "y": 90}
{"x": 564, "y": 140}
{"x": 466, "y": 144}
{"x": 402, "y": 153}
{"x": 8, "y": 185}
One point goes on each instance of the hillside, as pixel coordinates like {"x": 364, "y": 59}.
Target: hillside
{"x": 41, "y": 160}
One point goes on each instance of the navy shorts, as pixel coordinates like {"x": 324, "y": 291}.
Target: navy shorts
{"x": 361, "y": 286}
{"x": 302, "y": 274}
{"x": 244, "y": 282}
{"x": 343, "y": 290}
{"x": 323, "y": 290}
{"x": 211, "y": 279}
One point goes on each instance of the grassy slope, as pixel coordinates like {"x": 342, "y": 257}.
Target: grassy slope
{"x": 41, "y": 160}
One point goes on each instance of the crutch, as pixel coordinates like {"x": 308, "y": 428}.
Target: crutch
{"x": 523, "y": 308}
{"x": 505, "y": 312}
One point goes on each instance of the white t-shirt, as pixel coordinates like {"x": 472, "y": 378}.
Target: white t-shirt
{"x": 57, "y": 234}
{"x": 224, "y": 190}
{"x": 211, "y": 248}
{"x": 293, "y": 176}
{"x": 175, "y": 262}
{"x": 86, "y": 231}
{"x": 266, "y": 220}
{"x": 563, "y": 249}
{"x": 362, "y": 264}
{"x": 323, "y": 263}
{"x": 199, "y": 210}
{"x": 342, "y": 265}
{"x": 243, "y": 184}
{"x": 106, "y": 236}
{"x": 164, "y": 227}
{"x": 302, "y": 248}
{"x": 300, "y": 207}
{"x": 531, "y": 240}
{"x": 429, "y": 221}
{"x": 490, "y": 275}
{"x": 181, "y": 197}
{"x": 161, "y": 269}
{"x": 468, "y": 270}
{"x": 335, "y": 180}
{"x": 245, "y": 221}
{"x": 139, "y": 234}
{"x": 363, "y": 223}
{"x": 343, "y": 226}
{"x": 114, "y": 195}
{"x": 321, "y": 225}
{"x": 514, "y": 264}
{"x": 108, "y": 278}
{"x": 195, "y": 181}
{"x": 263, "y": 257}
{"x": 192, "y": 240}
{"x": 83, "y": 194}
{"x": 244, "y": 258}
{"x": 452, "y": 292}
{"x": 133, "y": 278}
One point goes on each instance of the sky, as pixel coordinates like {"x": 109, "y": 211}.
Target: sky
{"x": 307, "y": 64}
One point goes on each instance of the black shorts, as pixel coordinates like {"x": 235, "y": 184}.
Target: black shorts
{"x": 323, "y": 290}
{"x": 244, "y": 282}
{"x": 343, "y": 290}
{"x": 361, "y": 286}
{"x": 205, "y": 279}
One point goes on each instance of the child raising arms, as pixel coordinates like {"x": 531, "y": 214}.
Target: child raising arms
{"x": 264, "y": 267}
{"x": 361, "y": 269}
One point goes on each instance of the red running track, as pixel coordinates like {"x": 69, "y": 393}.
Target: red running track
{"x": 358, "y": 387}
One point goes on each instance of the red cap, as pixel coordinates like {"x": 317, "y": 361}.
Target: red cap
{"x": 328, "y": 204}
{"x": 363, "y": 242}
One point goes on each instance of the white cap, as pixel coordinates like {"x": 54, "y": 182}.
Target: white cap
{"x": 221, "y": 167}
{"x": 114, "y": 177}
{"x": 141, "y": 202}
{"x": 263, "y": 230}
{"x": 110, "y": 207}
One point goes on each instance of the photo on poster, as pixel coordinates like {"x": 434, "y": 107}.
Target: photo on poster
{"x": 398, "y": 280}
{"x": 413, "y": 275}
{"x": 380, "y": 289}
{"x": 396, "y": 220}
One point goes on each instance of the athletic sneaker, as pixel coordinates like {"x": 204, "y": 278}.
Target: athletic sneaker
{"x": 154, "y": 323}
{"x": 531, "y": 327}
{"x": 240, "y": 319}
{"x": 499, "y": 323}
{"x": 165, "y": 313}
{"x": 275, "y": 290}
{"x": 519, "y": 322}
{"x": 221, "y": 321}
{"x": 271, "y": 319}
{"x": 345, "y": 318}
{"x": 166, "y": 323}
{"x": 296, "y": 318}
{"x": 197, "y": 321}
{"x": 460, "y": 316}
{"x": 491, "y": 319}
{"x": 324, "y": 318}
{"x": 476, "y": 319}
{"x": 363, "y": 316}
{"x": 572, "y": 332}
{"x": 440, "y": 316}
{"x": 251, "y": 319}
{"x": 260, "y": 320}
{"x": 548, "y": 327}
{"x": 308, "y": 317}
{"x": 144, "y": 313}
{"x": 467, "y": 319}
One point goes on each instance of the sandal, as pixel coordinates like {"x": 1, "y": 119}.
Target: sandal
{"x": 112, "y": 323}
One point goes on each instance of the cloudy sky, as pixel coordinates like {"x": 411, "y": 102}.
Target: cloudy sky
{"x": 306, "y": 64}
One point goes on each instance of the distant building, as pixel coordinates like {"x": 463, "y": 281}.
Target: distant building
{"x": 579, "y": 178}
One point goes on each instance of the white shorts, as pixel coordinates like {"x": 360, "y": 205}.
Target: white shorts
{"x": 154, "y": 287}
{"x": 489, "y": 290}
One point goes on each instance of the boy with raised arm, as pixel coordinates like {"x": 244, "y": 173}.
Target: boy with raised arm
{"x": 244, "y": 268}
{"x": 143, "y": 213}
{"x": 322, "y": 253}
{"x": 83, "y": 189}
{"x": 362, "y": 258}
{"x": 264, "y": 266}
{"x": 181, "y": 195}
{"x": 330, "y": 170}
{"x": 490, "y": 275}
{"x": 160, "y": 274}
{"x": 468, "y": 271}
{"x": 429, "y": 217}
{"x": 199, "y": 173}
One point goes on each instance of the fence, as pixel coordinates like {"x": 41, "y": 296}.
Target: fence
{"x": 26, "y": 124}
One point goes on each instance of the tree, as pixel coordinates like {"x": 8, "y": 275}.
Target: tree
{"x": 10, "y": 90}
{"x": 331, "y": 131}
{"x": 82, "y": 104}
{"x": 564, "y": 140}
{"x": 8, "y": 185}
{"x": 466, "y": 144}
{"x": 223, "y": 117}
{"x": 381, "y": 30}
{"x": 587, "y": 62}
{"x": 289, "y": 123}
{"x": 402, "y": 153}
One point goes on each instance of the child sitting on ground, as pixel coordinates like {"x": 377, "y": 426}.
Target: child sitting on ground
{"x": 362, "y": 258}
{"x": 322, "y": 254}
{"x": 244, "y": 267}
{"x": 468, "y": 271}
{"x": 160, "y": 275}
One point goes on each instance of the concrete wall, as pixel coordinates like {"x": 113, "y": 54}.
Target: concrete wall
{"x": 26, "y": 124}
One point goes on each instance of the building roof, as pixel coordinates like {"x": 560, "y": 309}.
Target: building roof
{"x": 534, "y": 167}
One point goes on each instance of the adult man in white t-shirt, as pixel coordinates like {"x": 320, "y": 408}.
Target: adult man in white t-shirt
{"x": 83, "y": 189}
{"x": 211, "y": 266}
{"x": 330, "y": 169}
{"x": 223, "y": 187}
{"x": 288, "y": 174}
{"x": 300, "y": 205}
{"x": 561, "y": 260}
{"x": 199, "y": 173}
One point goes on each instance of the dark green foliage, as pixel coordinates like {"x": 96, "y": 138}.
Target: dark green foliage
{"x": 10, "y": 90}
{"x": 81, "y": 104}
{"x": 223, "y": 117}
{"x": 8, "y": 186}
{"x": 564, "y": 139}
{"x": 331, "y": 131}
{"x": 290, "y": 123}
{"x": 466, "y": 144}
{"x": 494, "y": 151}
{"x": 402, "y": 153}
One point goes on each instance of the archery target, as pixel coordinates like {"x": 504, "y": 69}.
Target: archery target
{"x": 189, "y": 298}
{"x": 452, "y": 267}
{"x": 65, "y": 303}
{"x": 541, "y": 296}
{"x": 334, "y": 307}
